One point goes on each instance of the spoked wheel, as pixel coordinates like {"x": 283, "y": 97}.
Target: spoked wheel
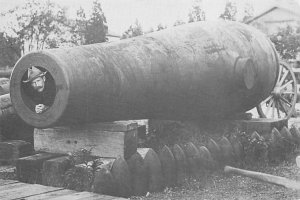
{"x": 281, "y": 103}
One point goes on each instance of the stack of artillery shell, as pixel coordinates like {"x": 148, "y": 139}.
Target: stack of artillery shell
{"x": 148, "y": 171}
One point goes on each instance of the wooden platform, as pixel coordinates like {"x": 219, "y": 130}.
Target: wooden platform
{"x": 11, "y": 189}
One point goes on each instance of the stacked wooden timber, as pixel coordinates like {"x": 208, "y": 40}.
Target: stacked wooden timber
{"x": 13, "y": 130}
{"x": 6, "y": 107}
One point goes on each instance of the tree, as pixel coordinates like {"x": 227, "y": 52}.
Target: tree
{"x": 230, "y": 11}
{"x": 160, "y": 27}
{"x": 178, "y": 22}
{"x": 89, "y": 30}
{"x": 10, "y": 50}
{"x": 133, "y": 30}
{"x": 197, "y": 13}
{"x": 248, "y": 12}
{"x": 36, "y": 24}
{"x": 287, "y": 42}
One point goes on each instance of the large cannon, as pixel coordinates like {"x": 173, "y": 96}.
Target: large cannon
{"x": 193, "y": 71}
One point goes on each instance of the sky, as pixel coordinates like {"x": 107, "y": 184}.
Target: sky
{"x": 120, "y": 14}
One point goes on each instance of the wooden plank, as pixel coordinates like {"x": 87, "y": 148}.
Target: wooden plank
{"x": 25, "y": 190}
{"x": 6, "y": 182}
{"x": 54, "y": 170}
{"x": 50, "y": 195}
{"x": 84, "y": 196}
{"x": 102, "y": 143}
{"x": 29, "y": 169}
{"x": 11, "y": 150}
{"x": 11, "y": 185}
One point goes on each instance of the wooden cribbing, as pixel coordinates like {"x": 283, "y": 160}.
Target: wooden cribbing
{"x": 11, "y": 150}
{"x": 104, "y": 139}
{"x": 277, "y": 180}
{"x": 54, "y": 170}
{"x": 4, "y": 88}
{"x": 5, "y": 101}
{"x": 29, "y": 169}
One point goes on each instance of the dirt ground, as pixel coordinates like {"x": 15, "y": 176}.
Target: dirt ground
{"x": 218, "y": 185}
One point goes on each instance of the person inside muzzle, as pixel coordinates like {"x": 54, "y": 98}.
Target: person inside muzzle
{"x": 40, "y": 89}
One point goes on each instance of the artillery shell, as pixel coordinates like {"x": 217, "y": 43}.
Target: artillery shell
{"x": 205, "y": 157}
{"x": 214, "y": 149}
{"x": 180, "y": 162}
{"x": 122, "y": 177}
{"x": 255, "y": 135}
{"x": 193, "y": 158}
{"x": 226, "y": 149}
{"x": 139, "y": 178}
{"x": 238, "y": 149}
{"x": 104, "y": 181}
{"x": 154, "y": 169}
{"x": 168, "y": 165}
{"x": 296, "y": 134}
{"x": 286, "y": 134}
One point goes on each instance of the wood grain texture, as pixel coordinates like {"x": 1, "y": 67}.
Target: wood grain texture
{"x": 10, "y": 190}
{"x": 11, "y": 150}
{"x": 7, "y": 182}
{"x": 50, "y": 195}
{"x": 25, "y": 190}
{"x": 29, "y": 169}
{"x": 54, "y": 170}
{"x": 95, "y": 137}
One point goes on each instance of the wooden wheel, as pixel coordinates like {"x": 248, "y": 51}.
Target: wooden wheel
{"x": 281, "y": 103}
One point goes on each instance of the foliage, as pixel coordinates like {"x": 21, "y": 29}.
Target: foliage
{"x": 160, "y": 27}
{"x": 81, "y": 177}
{"x": 248, "y": 12}
{"x": 255, "y": 148}
{"x": 197, "y": 13}
{"x": 178, "y": 22}
{"x": 43, "y": 24}
{"x": 37, "y": 24}
{"x": 287, "y": 42}
{"x": 229, "y": 12}
{"x": 89, "y": 30}
{"x": 10, "y": 50}
{"x": 133, "y": 30}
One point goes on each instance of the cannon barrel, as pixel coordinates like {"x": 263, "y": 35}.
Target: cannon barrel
{"x": 193, "y": 71}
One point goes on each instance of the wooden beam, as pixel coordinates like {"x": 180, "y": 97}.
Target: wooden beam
{"x": 103, "y": 139}
{"x": 29, "y": 169}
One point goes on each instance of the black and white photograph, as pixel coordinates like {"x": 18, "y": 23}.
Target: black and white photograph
{"x": 149, "y": 99}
